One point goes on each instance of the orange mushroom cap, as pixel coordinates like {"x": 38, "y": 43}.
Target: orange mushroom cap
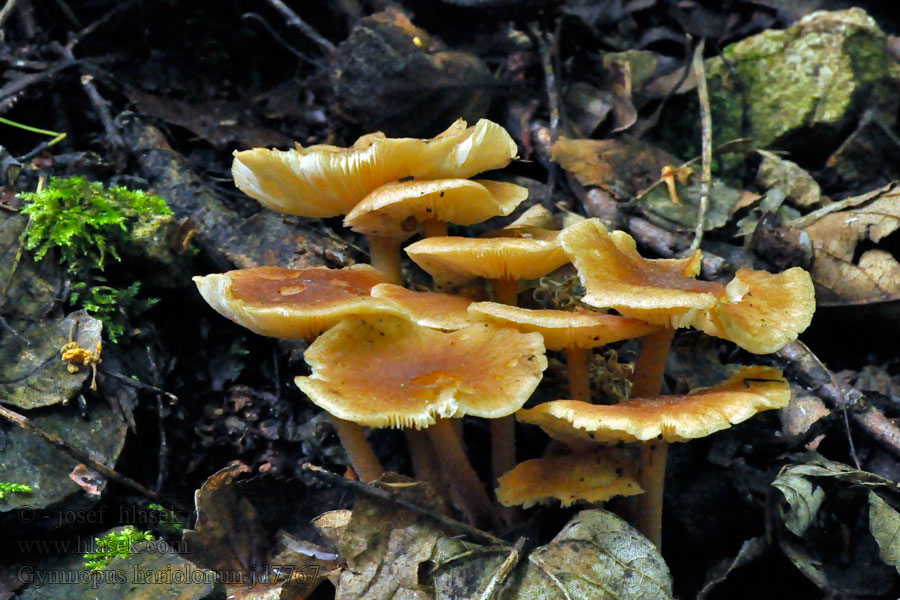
{"x": 561, "y": 328}
{"x": 675, "y": 418}
{"x": 327, "y": 181}
{"x": 455, "y": 258}
{"x": 292, "y": 303}
{"x": 396, "y": 209}
{"x": 391, "y": 372}
{"x": 431, "y": 309}
{"x": 614, "y": 275}
{"x": 593, "y": 475}
{"x": 757, "y": 310}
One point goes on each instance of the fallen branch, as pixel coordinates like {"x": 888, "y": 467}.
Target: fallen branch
{"x": 293, "y": 20}
{"x": 393, "y": 498}
{"x": 82, "y": 456}
{"x": 819, "y": 378}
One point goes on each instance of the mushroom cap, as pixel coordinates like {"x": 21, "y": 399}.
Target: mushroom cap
{"x": 327, "y": 181}
{"x": 431, "y": 309}
{"x": 292, "y": 303}
{"x": 593, "y": 475}
{"x": 614, "y": 275}
{"x": 492, "y": 258}
{"x": 562, "y": 328}
{"x": 395, "y": 209}
{"x": 762, "y": 312}
{"x": 391, "y": 372}
{"x": 675, "y": 418}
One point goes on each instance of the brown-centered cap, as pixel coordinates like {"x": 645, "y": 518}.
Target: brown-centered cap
{"x": 561, "y": 328}
{"x": 456, "y": 258}
{"x": 592, "y": 475}
{"x": 327, "y": 181}
{"x": 675, "y": 418}
{"x": 614, "y": 275}
{"x": 431, "y": 309}
{"x": 396, "y": 210}
{"x": 391, "y": 372}
{"x": 757, "y": 310}
{"x": 293, "y": 303}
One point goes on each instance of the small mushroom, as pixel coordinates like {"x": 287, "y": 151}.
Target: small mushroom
{"x": 576, "y": 332}
{"x": 390, "y": 372}
{"x": 328, "y": 181}
{"x": 592, "y": 475}
{"x": 676, "y": 418}
{"x": 395, "y": 211}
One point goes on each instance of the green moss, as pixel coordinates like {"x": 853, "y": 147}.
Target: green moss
{"x": 13, "y": 488}
{"x": 113, "y": 544}
{"x": 85, "y": 221}
{"x": 89, "y": 225}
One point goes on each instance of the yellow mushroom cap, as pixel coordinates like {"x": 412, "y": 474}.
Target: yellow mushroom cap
{"x": 614, "y": 275}
{"x": 561, "y": 328}
{"x": 391, "y": 372}
{"x": 293, "y": 303}
{"x": 327, "y": 181}
{"x": 675, "y": 418}
{"x": 593, "y": 475}
{"x": 762, "y": 312}
{"x": 431, "y": 309}
{"x": 492, "y": 258}
{"x": 396, "y": 209}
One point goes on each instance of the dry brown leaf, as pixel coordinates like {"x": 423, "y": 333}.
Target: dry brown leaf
{"x": 840, "y": 275}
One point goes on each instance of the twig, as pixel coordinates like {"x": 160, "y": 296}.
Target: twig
{"x": 818, "y": 377}
{"x": 82, "y": 456}
{"x": 497, "y": 579}
{"x": 278, "y": 38}
{"x": 139, "y": 384}
{"x": 4, "y": 14}
{"x": 293, "y": 20}
{"x": 9, "y": 328}
{"x": 549, "y": 79}
{"x": 706, "y": 141}
{"x": 394, "y": 498}
{"x": 74, "y": 39}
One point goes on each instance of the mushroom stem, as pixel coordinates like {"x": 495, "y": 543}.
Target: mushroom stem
{"x": 424, "y": 461}
{"x": 503, "y": 430}
{"x": 648, "y": 375}
{"x": 459, "y": 472}
{"x": 579, "y": 373}
{"x": 506, "y": 291}
{"x": 384, "y": 255}
{"x": 359, "y": 451}
{"x": 434, "y": 228}
{"x": 503, "y": 445}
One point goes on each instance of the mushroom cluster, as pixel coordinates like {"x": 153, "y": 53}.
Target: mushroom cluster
{"x": 382, "y": 355}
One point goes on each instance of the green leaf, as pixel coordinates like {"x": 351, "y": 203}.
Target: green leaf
{"x": 884, "y": 523}
{"x": 804, "y": 498}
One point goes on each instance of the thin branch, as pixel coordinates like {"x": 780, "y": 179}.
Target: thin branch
{"x": 706, "y": 140}
{"x": 82, "y": 456}
{"x": 293, "y": 20}
{"x": 394, "y": 498}
{"x": 5, "y": 12}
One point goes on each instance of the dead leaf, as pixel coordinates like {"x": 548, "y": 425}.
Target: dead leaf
{"x": 777, "y": 172}
{"x": 840, "y": 275}
{"x": 722, "y": 199}
{"x": 596, "y": 556}
{"x": 623, "y": 165}
{"x": 884, "y": 523}
{"x": 88, "y": 480}
{"x": 229, "y": 537}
